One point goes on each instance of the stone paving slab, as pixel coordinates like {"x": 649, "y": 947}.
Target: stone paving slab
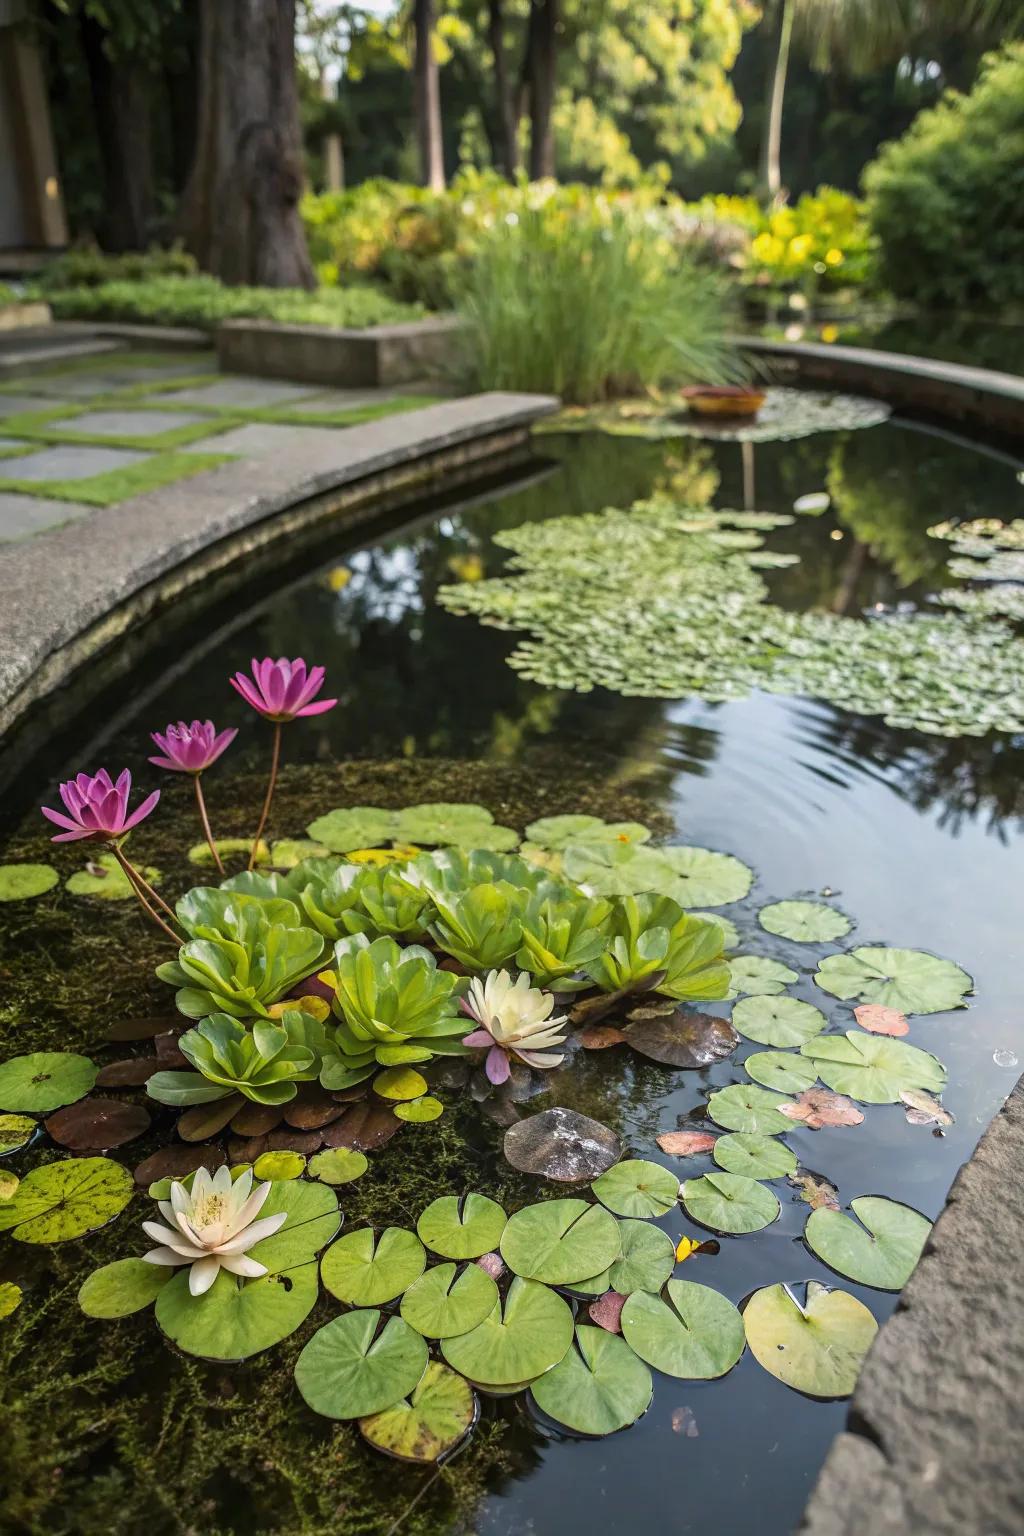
{"x": 84, "y": 384}
{"x": 22, "y": 516}
{"x": 128, "y": 423}
{"x": 15, "y": 405}
{"x": 332, "y": 400}
{"x": 243, "y": 392}
{"x": 68, "y": 461}
{"x": 258, "y": 440}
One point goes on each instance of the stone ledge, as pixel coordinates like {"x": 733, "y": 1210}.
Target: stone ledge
{"x": 379, "y": 357}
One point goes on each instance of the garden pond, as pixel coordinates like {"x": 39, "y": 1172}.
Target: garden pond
{"x": 707, "y": 646}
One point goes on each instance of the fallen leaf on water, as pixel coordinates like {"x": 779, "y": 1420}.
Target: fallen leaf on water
{"x": 881, "y": 1020}
{"x": 607, "y": 1310}
{"x": 815, "y": 1189}
{"x": 687, "y": 1246}
{"x": 598, "y": 1037}
{"x": 922, "y": 1109}
{"x": 492, "y": 1264}
{"x": 686, "y": 1143}
{"x": 816, "y": 1107}
{"x": 684, "y": 1422}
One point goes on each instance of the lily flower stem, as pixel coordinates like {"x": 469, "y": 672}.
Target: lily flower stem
{"x": 275, "y": 759}
{"x": 204, "y": 818}
{"x": 135, "y": 881}
{"x": 135, "y": 876}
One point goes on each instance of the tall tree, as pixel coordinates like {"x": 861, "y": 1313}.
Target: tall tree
{"x": 427, "y": 80}
{"x": 506, "y": 108}
{"x": 542, "y": 74}
{"x": 240, "y": 214}
{"x": 779, "y": 17}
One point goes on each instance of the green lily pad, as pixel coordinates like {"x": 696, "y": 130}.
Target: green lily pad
{"x": 279, "y": 1166}
{"x": 617, "y": 869}
{"x": 45, "y": 1080}
{"x": 882, "y": 1252}
{"x": 523, "y": 1337}
{"x": 361, "y": 826}
{"x": 453, "y": 825}
{"x": 228, "y": 847}
{"x": 784, "y": 1071}
{"x": 10, "y": 1298}
{"x": 557, "y": 832}
{"x": 105, "y": 878}
{"x": 60, "y": 1201}
{"x": 8, "y": 1184}
{"x": 817, "y": 1348}
{"x": 729, "y": 1202}
{"x": 287, "y": 852}
{"x": 364, "y": 1272}
{"x": 706, "y": 879}
{"x": 444, "y": 1302}
{"x": 598, "y": 1387}
{"x": 15, "y": 1131}
{"x": 745, "y": 1107}
{"x": 691, "y": 1331}
{"x": 755, "y": 1157}
{"x": 778, "y": 1021}
{"x": 559, "y": 1241}
{"x": 806, "y": 922}
{"x": 647, "y": 1260}
{"x": 462, "y": 1226}
{"x": 20, "y": 882}
{"x": 349, "y": 1371}
{"x": 420, "y": 1111}
{"x": 637, "y": 1188}
{"x": 429, "y": 1424}
{"x": 874, "y": 1068}
{"x": 908, "y": 979}
{"x": 399, "y": 1083}
{"x": 338, "y": 1165}
{"x": 756, "y": 976}
{"x": 121, "y": 1288}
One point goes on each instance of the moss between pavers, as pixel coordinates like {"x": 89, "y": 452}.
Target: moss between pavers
{"x": 37, "y": 427}
{"x": 118, "y": 484}
{"x": 100, "y": 362}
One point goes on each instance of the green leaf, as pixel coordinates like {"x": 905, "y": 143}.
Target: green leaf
{"x": 447, "y": 824}
{"x": 651, "y": 941}
{"x": 818, "y": 1348}
{"x": 338, "y": 1165}
{"x": 8, "y": 1184}
{"x": 729, "y": 1202}
{"x": 523, "y": 1337}
{"x": 691, "y": 1331}
{"x": 745, "y": 1107}
{"x": 15, "y": 1132}
{"x": 349, "y": 1371}
{"x": 20, "y": 882}
{"x": 778, "y": 1021}
{"x": 647, "y": 1260}
{"x": 706, "y": 879}
{"x": 730, "y": 933}
{"x": 462, "y": 1226}
{"x": 264, "y": 1063}
{"x": 361, "y": 826}
{"x": 45, "y": 1080}
{"x": 420, "y": 1111}
{"x": 364, "y": 1272}
{"x": 443, "y": 1302}
{"x": 481, "y": 928}
{"x": 399, "y": 1083}
{"x": 756, "y": 1157}
{"x": 806, "y": 922}
{"x": 288, "y": 852}
{"x": 784, "y": 1071}
{"x": 882, "y": 1252}
{"x": 908, "y": 979}
{"x": 227, "y": 847}
{"x": 10, "y": 1298}
{"x": 874, "y": 1068}
{"x": 388, "y": 996}
{"x": 279, "y": 1166}
{"x": 756, "y": 976}
{"x": 557, "y": 832}
{"x": 181, "y": 1090}
{"x": 637, "y": 1188}
{"x": 105, "y": 878}
{"x": 60, "y": 1201}
{"x": 598, "y": 1387}
{"x": 121, "y": 1288}
{"x": 423, "y": 1428}
{"x": 560, "y": 1241}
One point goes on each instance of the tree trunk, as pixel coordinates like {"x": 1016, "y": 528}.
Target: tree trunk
{"x": 240, "y": 214}
{"x": 508, "y": 118}
{"x": 770, "y": 169}
{"x": 427, "y": 83}
{"x": 121, "y": 93}
{"x": 334, "y": 154}
{"x": 542, "y": 48}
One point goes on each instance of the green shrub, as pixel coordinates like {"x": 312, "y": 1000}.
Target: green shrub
{"x": 88, "y": 267}
{"x": 819, "y": 243}
{"x": 947, "y": 200}
{"x": 590, "y": 307}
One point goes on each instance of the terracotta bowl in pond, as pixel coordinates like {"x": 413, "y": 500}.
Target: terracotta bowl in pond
{"x": 723, "y": 399}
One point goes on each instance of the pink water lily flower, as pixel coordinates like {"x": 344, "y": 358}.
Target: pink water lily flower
{"x": 97, "y": 808}
{"x": 212, "y": 1227}
{"x": 191, "y": 748}
{"x": 516, "y": 1020}
{"x": 283, "y": 690}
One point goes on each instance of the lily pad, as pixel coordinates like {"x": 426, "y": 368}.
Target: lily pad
{"x": 524, "y": 1336}
{"x": 882, "y": 1251}
{"x": 453, "y": 825}
{"x": 228, "y": 847}
{"x": 97, "y": 1124}
{"x": 757, "y": 976}
{"x": 598, "y": 1387}
{"x": 63, "y": 1200}
{"x": 561, "y": 1144}
{"x": 176, "y": 1163}
{"x": 8, "y": 1184}
{"x": 45, "y": 1080}
{"x": 338, "y": 1165}
{"x": 817, "y": 1348}
{"x": 819, "y": 1107}
{"x": 349, "y": 1370}
{"x": 399, "y": 1083}
{"x": 104, "y": 877}
{"x": 706, "y": 879}
{"x": 874, "y": 1068}
{"x": 445, "y": 1302}
{"x": 806, "y": 922}
{"x": 908, "y": 979}
{"x": 10, "y": 1298}
{"x": 462, "y": 1226}
{"x": 755, "y": 1157}
{"x": 360, "y": 826}
{"x": 15, "y": 1132}
{"x": 682, "y": 1038}
{"x": 428, "y": 1425}
{"x": 686, "y": 1143}
{"x": 287, "y": 852}
{"x": 560, "y": 1241}
{"x": 729, "y": 1202}
{"x": 637, "y": 1188}
{"x": 420, "y": 1111}
{"x": 746, "y": 1107}
{"x": 815, "y": 1190}
{"x": 647, "y": 1259}
{"x": 778, "y": 1021}
{"x": 21, "y": 882}
{"x": 279, "y": 1166}
{"x": 361, "y": 1271}
{"x": 785, "y": 1071}
{"x": 557, "y": 832}
{"x": 879, "y": 1020}
{"x": 121, "y": 1288}
{"x": 690, "y": 1331}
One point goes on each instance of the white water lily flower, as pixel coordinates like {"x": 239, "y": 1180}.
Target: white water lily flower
{"x": 516, "y": 1019}
{"x": 213, "y": 1227}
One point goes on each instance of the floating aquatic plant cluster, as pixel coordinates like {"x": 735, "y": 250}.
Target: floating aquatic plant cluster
{"x": 992, "y": 553}
{"x": 664, "y": 600}
{"x": 785, "y": 415}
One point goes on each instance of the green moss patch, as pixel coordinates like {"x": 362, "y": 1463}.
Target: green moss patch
{"x": 117, "y": 485}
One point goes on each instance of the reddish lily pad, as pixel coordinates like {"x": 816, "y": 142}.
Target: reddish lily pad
{"x": 205, "y": 1120}
{"x": 606, "y": 1311}
{"x": 127, "y": 1074}
{"x": 176, "y": 1162}
{"x": 818, "y": 1107}
{"x": 818, "y": 1192}
{"x": 598, "y": 1037}
{"x": 256, "y": 1119}
{"x": 96, "y": 1125}
{"x": 312, "y": 1108}
{"x": 563, "y": 1145}
{"x": 364, "y": 1126}
{"x": 145, "y": 1029}
{"x": 686, "y": 1143}
{"x": 881, "y": 1020}
{"x": 683, "y": 1038}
